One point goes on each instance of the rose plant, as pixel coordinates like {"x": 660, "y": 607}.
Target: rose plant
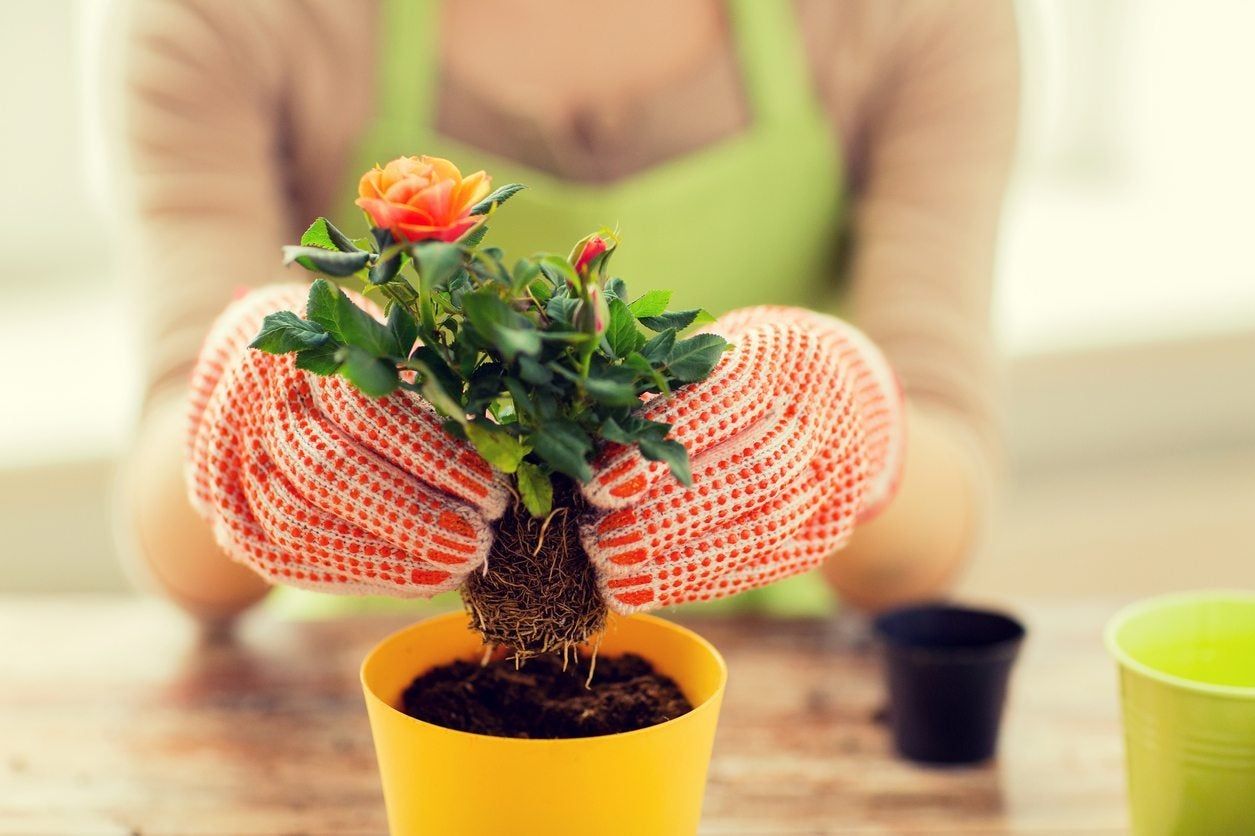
{"x": 529, "y": 433}
{"x": 535, "y": 364}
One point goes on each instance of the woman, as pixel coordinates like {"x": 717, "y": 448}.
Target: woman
{"x": 740, "y": 147}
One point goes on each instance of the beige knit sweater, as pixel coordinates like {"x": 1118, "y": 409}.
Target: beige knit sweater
{"x": 241, "y": 116}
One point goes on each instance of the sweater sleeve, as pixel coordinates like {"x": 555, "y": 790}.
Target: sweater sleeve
{"x": 939, "y": 134}
{"x": 201, "y": 113}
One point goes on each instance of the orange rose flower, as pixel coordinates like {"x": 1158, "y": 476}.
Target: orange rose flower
{"x": 422, "y": 198}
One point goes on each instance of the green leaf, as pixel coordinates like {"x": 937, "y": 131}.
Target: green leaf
{"x": 284, "y": 331}
{"x": 323, "y": 234}
{"x": 323, "y": 360}
{"x": 679, "y": 320}
{"x": 541, "y": 290}
{"x": 613, "y": 386}
{"x": 533, "y": 372}
{"x": 428, "y": 362}
{"x": 652, "y": 303}
{"x": 558, "y": 270}
{"x": 630, "y": 429}
{"x": 535, "y": 488}
{"x": 437, "y": 263}
{"x": 671, "y": 452}
{"x": 484, "y": 385}
{"x": 382, "y": 272}
{"x": 509, "y": 331}
{"x": 694, "y": 358}
{"x": 471, "y": 238}
{"x": 320, "y": 260}
{"x": 622, "y": 335}
{"x": 434, "y": 393}
{"x": 616, "y": 288}
{"x": 659, "y": 347}
{"x": 561, "y": 309}
{"x": 641, "y": 364}
{"x": 564, "y": 446}
{"x": 524, "y": 273}
{"x": 497, "y": 446}
{"x": 374, "y": 377}
{"x": 347, "y": 323}
{"x": 403, "y": 329}
{"x": 497, "y": 198}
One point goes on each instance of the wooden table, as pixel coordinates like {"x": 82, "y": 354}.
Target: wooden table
{"x": 114, "y": 718}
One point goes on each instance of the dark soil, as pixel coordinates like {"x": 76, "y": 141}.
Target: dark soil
{"x": 541, "y": 700}
{"x": 537, "y": 592}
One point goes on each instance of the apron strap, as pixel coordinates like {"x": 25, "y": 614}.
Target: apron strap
{"x": 409, "y": 69}
{"x": 773, "y": 60}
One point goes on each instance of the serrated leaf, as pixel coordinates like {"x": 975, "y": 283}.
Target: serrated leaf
{"x": 323, "y": 234}
{"x": 679, "y": 320}
{"x": 317, "y": 236}
{"x": 671, "y": 452}
{"x": 509, "y": 331}
{"x": 611, "y": 431}
{"x": 347, "y": 323}
{"x": 641, "y": 364}
{"x": 473, "y": 236}
{"x": 561, "y": 309}
{"x": 535, "y": 489}
{"x": 630, "y": 428}
{"x": 615, "y": 287}
{"x": 558, "y": 270}
{"x": 622, "y": 335}
{"x": 652, "y": 303}
{"x": 319, "y": 260}
{"x": 564, "y": 446}
{"x": 693, "y": 359}
{"x": 541, "y": 290}
{"x": 321, "y": 360}
{"x": 374, "y": 377}
{"x": 614, "y": 387}
{"x": 497, "y": 198}
{"x": 496, "y": 445}
{"x": 658, "y": 348}
{"x": 524, "y": 274}
{"x": 403, "y": 329}
{"x": 283, "y": 331}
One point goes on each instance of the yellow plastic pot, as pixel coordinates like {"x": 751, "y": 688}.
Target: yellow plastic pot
{"x": 1187, "y": 684}
{"x": 443, "y": 782}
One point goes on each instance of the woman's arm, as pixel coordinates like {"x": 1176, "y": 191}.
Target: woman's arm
{"x": 200, "y": 97}
{"x": 939, "y": 134}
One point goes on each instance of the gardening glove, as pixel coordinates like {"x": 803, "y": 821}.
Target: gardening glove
{"x": 313, "y": 484}
{"x": 795, "y": 437}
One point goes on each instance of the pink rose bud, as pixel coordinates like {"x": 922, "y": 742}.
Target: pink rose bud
{"x": 595, "y": 247}
{"x": 592, "y": 313}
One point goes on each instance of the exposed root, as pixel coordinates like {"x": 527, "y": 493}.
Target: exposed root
{"x": 538, "y": 592}
{"x": 592, "y": 660}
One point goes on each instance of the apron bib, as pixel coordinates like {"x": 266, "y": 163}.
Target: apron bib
{"x": 755, "y": 218}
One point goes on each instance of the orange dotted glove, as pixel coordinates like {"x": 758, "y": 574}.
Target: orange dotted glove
{"x": 313, "y": 484}
{"x": 796, "y": 436}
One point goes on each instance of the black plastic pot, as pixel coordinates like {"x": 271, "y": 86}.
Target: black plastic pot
{"x": 947, "y": 669}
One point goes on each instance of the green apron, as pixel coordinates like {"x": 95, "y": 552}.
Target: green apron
{"x": 753, "y": 219}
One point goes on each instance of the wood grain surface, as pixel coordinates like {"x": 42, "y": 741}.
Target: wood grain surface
{"x": 116, "y": 718}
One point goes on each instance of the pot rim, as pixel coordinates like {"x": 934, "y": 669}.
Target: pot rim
{"x": 1138, "y": 608}
{"x": 708, "y": 704}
